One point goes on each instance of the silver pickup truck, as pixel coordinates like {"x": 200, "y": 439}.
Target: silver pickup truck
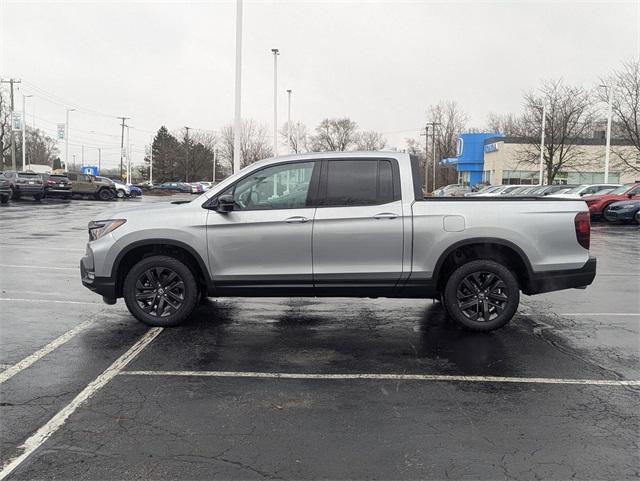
{"x": 350, "y": 224}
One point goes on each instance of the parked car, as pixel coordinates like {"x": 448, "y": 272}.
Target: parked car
{"x": 598, "y": 203}
{"x": 542, "y": 190}
{"x": 624, "y": 211}
{"x": 500, "y": 190}
{"x": 484, "y": 190}
{"x": 196, "y": 188}
{"x": 522, "y": 190}
{"x": 5, "y": 189}
{"x": 447, "y": 190}
{"x": 206, "y": 185}
{"x": 585, "y": 189}
{"x": 121, "y": 189}
{"x": 24, "y": 183}
{"x": 57, "y": 185}
{"x": 344, "y": 233}
{"x": 134, "y": 191}
{"x": 176, "y": 187}
{"x": 88, "y": 185}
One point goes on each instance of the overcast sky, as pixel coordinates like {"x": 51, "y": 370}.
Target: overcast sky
{"x": 381, "y": 63}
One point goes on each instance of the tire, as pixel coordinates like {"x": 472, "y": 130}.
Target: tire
{"x": 4, "y": 199}
{"x": 470, "y": 283}
{"x": 120, "y": 194}
{"x": 163, "y": 305}
{"x": 104, "y": 194}
{"x": 133, "y": 195}
{"x": 14, "y": 194}
{"x": 38, "y": 197}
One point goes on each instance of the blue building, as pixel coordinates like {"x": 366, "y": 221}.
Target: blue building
{"x": 470, "y": 157}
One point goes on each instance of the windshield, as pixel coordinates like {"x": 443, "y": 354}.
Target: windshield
{"x": 621, "y": 190}
{"x": 576, "y": 190}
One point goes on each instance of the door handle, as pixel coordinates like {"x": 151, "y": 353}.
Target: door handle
{"x": 298, "y": 219}
{"x": 385, "y": 215}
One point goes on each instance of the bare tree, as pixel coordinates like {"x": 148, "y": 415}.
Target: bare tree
{"x": 254, "y": 143}
{"x": 334, "y": 135}
{"x": 451, "y": 122}
{"x": 507, "y": 124}
{"x": 625, "y": 83}
{"x": 299, "y": 141}
{"x": 570, "y": 117}
{"x": 370, "y": 140}
{"x": 41, "y": 149}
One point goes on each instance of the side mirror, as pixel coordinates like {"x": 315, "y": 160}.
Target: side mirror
{"x": 631, "y": 195}
{"x": 226, "y": 203}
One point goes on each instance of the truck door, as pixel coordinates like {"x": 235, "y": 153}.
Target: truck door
{"x": 265, "y": 242}
{"x": 358, "y": 227}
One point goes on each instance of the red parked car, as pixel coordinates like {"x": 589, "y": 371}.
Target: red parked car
{"x": 598, "y": 203}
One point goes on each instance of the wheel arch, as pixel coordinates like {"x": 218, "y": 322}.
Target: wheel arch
{"x": 483, "y": 248}
{"x": 136, "y": 251}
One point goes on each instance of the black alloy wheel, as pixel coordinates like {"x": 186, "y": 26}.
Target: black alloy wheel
{"x": 481, "y": 295}
{"x": 160, "y": 291}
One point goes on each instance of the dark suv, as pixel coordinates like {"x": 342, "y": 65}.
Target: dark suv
{"x": 24, "y": 183}
{"x": 57, "y": 185}
{"x": 5, "y": 189}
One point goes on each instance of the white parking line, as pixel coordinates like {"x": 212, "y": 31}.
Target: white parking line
{"x": 389, "y": 377}
{"x": 42, "y": 248}
{"x": 50, "y": 300}
{"x": 56, "y": 422}
{"x": 39, "y": 354}
{"x": 41, "y": 267}
{"x": 626, "y": 314}
{"x": 5, "y": 366}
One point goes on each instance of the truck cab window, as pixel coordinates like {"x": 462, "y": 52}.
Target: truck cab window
{"x": 358, "y": 182}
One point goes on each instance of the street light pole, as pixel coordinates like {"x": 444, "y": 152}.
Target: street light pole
{"x": 237, "y": 124}
{"x": 99, "y": 160}
{"x": 66, "y": 141}
{"x": 215, "y": 159}
{"x": 289, "y": 121}
{"x": 608, "y": 141}
{"x": 544, "y": 119}
{"x": 276, "y": 52}
{"x": 24, "y": 132}
{"x": 186, "y": 165}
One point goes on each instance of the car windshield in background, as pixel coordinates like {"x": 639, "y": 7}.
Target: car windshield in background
{"x": 621, "y": 190}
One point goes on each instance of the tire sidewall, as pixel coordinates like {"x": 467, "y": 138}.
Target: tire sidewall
{"x": 191, "y": 297}
{"x": 511, "y": 284}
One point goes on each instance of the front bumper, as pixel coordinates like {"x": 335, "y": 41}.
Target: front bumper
{"x": 548, "y": 281}
{"x": 622, "y": 215}
{"x": 105, "y": 286}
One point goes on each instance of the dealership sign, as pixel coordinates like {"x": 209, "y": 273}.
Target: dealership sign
{"x": 491, "y": 147}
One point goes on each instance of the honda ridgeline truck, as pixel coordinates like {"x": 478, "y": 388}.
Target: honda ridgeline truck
{"x": 350, "y": 224}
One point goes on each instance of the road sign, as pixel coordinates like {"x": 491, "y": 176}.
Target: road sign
{"x": 16, "y": 121}
{"x": 61, "y": 131}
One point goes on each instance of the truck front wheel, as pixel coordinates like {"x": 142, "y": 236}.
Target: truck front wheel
{"x": 160, "y": 291}
{"x": 482, "y": 295}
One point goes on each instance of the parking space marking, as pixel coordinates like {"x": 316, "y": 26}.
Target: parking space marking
{"x": 50, "y": 300}
{"x": 39, "y": 354}
{"x": 385, "y": 377}
{"x": 41, "y": 267}
{"x": 5, "y": 366}
{"x": 42, "y": 248}
{"x": 626, "y": 314}
{"x": 56, "y": 422}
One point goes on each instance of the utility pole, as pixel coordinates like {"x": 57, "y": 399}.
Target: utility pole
{"x": 608, "y": 141}
{"x": 128, "y": 156}
{"x": 215, "y": 159}
{"x": 426, "y": 158}
{"x": 99, "y": 160}
{"x": 122, "y": 143}
{"x": 12, "y": 81}
{"x": 186, "y": 165}
{"x": 83, "y": 156}
{"x": 66, "y": 142}
{"x": 151, "y": 164}
{"x": 289, "y": 121}
{"x": 544, "y": 118}
{"x": 24, "y": 133}
{"x": 433, "y": 151}
{"x": 276, "y": 52}
{"x": 237, "y": 123}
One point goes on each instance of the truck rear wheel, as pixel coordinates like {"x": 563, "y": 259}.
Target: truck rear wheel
{"x": 160, "y": 291}
{"x": 104, "y": 194}
{"x": 482, "y": 295}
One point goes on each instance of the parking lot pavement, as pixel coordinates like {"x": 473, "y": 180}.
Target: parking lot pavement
{"x": 309, "y": 388}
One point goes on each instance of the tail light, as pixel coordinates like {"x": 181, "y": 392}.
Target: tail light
{"x": 583, "y": 229}
{"x": 51, "y": 182}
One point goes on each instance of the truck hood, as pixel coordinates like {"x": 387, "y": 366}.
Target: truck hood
{"x": 159, "y": 208}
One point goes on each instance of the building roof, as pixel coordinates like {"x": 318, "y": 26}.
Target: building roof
{"x": 582, "y": 141}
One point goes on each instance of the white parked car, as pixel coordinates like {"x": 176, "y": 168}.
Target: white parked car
{"x": 501, "y": 190}
{"x": 585, "y": 189}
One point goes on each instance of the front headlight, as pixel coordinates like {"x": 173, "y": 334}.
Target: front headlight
{"x": 100, "y": 228}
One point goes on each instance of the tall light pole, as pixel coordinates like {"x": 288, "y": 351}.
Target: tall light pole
{"x": 608, "y": 141}
{"x": 276, "y": 52}
{"x": 186, "y": 165}
{"x": 544, "y": 120}
{"x": 237, "y": 124}
{"x": 289, "y": 120}
{"x": 151, "y": 164}
{"x": 215, "y": 159}
{"x": 99, "y": 160}
{"x": 66, "y": 141}
{"x": 24, "y": 132}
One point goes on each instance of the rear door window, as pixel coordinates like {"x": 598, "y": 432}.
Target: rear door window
{"x": 357, "y": 183}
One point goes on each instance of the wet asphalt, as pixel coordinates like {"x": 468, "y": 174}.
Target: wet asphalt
{"x": 149, "y": 426}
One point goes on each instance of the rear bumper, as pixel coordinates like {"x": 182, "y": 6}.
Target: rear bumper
{"x": 548, "y": 281}
{"x": 58, "y": 192}
{"x": 26, "y": 189}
